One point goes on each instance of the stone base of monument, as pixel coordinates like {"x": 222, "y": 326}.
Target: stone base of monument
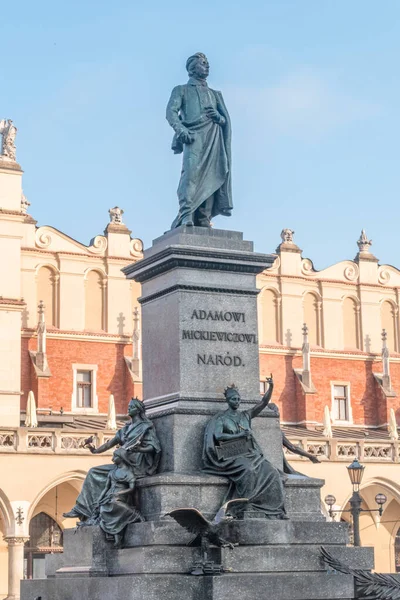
{"x": 162, "y": 493}
{"x": 274, "y": 559}
{"x": 199, "y": 335}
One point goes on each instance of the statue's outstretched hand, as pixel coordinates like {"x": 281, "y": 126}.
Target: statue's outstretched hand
{"x": 314, "y": 459}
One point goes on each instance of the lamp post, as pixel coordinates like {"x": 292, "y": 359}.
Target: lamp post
{"x": 356, "y": 472}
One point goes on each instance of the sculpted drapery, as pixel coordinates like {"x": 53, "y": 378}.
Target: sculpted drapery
{"x": 251, "y": 475}
{"x": 203, "y": 134}
{"x": 138, "y": 457}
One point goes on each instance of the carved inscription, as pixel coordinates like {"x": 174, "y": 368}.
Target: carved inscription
{"x": 219, "y": 315}
{"x": 219, "y": 336}
{"x": 229, "y": 317}
{"x": 219, "y": 359}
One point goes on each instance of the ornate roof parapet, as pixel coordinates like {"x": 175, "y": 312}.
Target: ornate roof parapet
{"x": 386, "y": 380}
{"x": 287, "y": 244}
{"x": 364, "y": 245}
{"x": 304, "y": 374}
{"x": 116, "y": 215}
{"x": 24, "y": 204}
{"x": 8, "y": 149}
{"x": 116, "y": 224}
{"x": 305, "y": 350}
{"x": 39, "y": 358}
{"x": 134, "y": 364}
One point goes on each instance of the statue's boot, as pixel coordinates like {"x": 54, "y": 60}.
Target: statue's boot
{"x": 72, "y": 514}
{"x": 188, "y": 221}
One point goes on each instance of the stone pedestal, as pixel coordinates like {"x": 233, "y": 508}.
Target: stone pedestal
{"x": 199, "y": 333}
{"x": 199, "y": 316}
{"x": 274, "y": 559}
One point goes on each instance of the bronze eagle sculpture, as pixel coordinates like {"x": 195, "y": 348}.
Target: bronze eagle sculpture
{"x": 376, "y": 586}
{"x": 208, "y": 532}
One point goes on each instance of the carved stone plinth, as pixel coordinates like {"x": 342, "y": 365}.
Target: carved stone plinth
{"x": 199, "y": 316}
{"x": 282, "y": 557}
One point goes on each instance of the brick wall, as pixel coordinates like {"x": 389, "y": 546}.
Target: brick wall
{"x": 369, "y": 404}
{"x": 55, "y": 392}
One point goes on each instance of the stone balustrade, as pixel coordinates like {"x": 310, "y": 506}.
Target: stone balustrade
{"x": 336, "y": 449}
{"x": 48, "y": 440}
{"x": 57, "y": 441}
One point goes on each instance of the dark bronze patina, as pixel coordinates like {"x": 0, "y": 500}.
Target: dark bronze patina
{"x": 252, "y": 476}
{"x": 106, "y": 498}
{"x": 202, "y": 128}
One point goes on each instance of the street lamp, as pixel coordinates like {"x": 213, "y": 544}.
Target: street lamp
{"x": 356, "y": 472}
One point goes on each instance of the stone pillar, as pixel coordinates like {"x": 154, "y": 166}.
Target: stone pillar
{"x": 15, "y": 565}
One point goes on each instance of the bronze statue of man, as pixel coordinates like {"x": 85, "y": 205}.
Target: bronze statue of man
{"x": 203, "y": 133}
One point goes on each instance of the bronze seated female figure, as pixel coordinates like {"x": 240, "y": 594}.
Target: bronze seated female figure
{"x": 231, "y": 450}
{"x": 141, "y": 455}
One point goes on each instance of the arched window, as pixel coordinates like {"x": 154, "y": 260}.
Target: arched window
{"x": 388, "y": 319}
{"x": 47, "y": 291}
{"x": 45, "y": 537}
{"x": 94, "y": 302}
{"x": 268, "y": 317}
{"x": 351, "y": 335}
{"x": 311, "y": 318}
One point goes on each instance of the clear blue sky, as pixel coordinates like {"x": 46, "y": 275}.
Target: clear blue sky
{"x": 312, "y": 87}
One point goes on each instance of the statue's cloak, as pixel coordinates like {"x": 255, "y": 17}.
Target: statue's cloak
{"x": 141, "y": 463}
{"x": 206, "y": 165}
{"x": 252, "y": 476}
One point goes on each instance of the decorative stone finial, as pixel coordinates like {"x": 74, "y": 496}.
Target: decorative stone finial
{"x": 136, "y": 335}
{"x": 287, "y": 236}
{"x": 386, "y": 379}
{"x": 41, "y": 309}
{"x": 116, "y": 215}
{"x": 9, "y": 132}
{"x": 24, "y": 204}
{"x": 41, "y": 359}
{"x": 363, "y": 242}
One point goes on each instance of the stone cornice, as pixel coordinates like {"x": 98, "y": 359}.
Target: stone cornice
{"x": 173, "y": 257}
{"x": 10, "y": 165}
{"x": 198, "y": 288}
{"x": 324, "y": 353}
{"x": 62, "y": 253}
{"x": 12, "y": 304}
{"x": 335, "y": 282}
{"x": 62, "y": 334}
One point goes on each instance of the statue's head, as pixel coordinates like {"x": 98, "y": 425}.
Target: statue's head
{"x": 232, "y": 396}
{"x": 135, "y": 407}
{"x": 197, "y": 66}
{"x": 120, "y": 456}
